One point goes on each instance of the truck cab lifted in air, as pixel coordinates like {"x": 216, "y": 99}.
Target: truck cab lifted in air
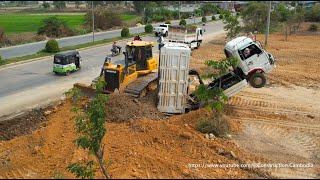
{"x": 254, "y": 62}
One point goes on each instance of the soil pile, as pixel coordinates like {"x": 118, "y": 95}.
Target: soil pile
{"x": 122, "y": 107}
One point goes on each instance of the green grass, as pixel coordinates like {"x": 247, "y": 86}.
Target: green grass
{"x": 42, "y": 53}
{"x": 19, "y": 23}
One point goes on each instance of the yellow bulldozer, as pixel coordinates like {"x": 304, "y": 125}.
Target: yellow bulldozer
{"x": 135, "y": 77}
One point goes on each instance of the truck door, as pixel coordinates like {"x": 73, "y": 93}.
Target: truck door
{"x": 252, "y": 57}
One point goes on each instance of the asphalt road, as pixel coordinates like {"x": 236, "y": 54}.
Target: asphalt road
{"x": 29, "y": 85}
{"x": 32, "y": 48}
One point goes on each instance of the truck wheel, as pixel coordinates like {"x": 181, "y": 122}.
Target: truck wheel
{"x": 166, "y": 34}
{"x": 156, "y": 34}
{"x": 257, "y": 80}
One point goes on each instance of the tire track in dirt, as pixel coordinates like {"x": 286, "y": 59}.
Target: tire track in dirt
{"x": 277, "y": 128}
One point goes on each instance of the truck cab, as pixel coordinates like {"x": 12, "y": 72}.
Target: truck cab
{"x": 254, "y": 63}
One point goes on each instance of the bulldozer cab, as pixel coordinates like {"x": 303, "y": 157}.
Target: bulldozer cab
{"x": 139, "y": 52}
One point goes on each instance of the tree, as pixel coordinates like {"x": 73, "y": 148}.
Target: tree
{"x": 46, "y": 5}
{"x": 77, "y": 3}
{"x": 232, "y": 25}
{"x": 254, "y": 16}
{"x": 140, "y": 5}
{"x": 313, "y": 15}
{"x": 90, "y": 125}
{"x": 54, "y": 27}
{"x": 103, "y": 19}
{"x": 284, "y": 16}
{"x": 59, "y": 4}
{"x": 214, "y": 99}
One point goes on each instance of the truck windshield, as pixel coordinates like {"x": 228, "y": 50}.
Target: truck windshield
{"x": 163, "y": 25}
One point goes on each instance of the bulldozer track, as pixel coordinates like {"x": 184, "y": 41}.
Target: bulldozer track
{"x": 276, "y": 110}
{"x": 282, "y": 123}
{"x": 20, "y": 173}
{"x": 262, "y": 103}
{"x": 282, "y": 146}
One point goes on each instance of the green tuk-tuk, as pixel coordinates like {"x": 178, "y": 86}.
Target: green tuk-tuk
{"x": 66, "y": 62}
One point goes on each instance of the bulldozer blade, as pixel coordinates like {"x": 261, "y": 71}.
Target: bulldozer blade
{"x": 86, "y": 89}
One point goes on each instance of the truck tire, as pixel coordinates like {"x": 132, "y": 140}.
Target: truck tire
{"x": 166, "y": 34}
{"x": 257, "y": 80}
{"x": 156, "y": 33}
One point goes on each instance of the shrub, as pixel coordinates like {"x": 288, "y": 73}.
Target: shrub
{"x": 204, "y": 19}
{"x": 1, "y": 61}
{"x": 214, "y": 18}
{"x": 148, "y": 28}
{"x": 313, "y": 28}
{"x": 168, "y": 22}
{"x": 216, "y": 125}
{"x": 125, "y": 32}
{"x": 52, "y": 46}
{"x": 54, "y": 27}
{"x": 182, "y": 22}
{"x": 220, "y": 16}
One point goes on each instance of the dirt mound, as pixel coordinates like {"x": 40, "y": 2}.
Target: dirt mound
{"x": 26, "y": 123}
{"x": 136, "y": 148}
{"x": 121, "y": 107}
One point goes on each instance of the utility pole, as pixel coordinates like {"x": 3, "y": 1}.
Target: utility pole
{"x": 179, "y": 9}
{"x": 268, "y": 25}
{"x": 194, "y": 12}
{"x": 92, "y": 23}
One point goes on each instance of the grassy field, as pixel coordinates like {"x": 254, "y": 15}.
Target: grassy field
{"x": 20, "y": 23}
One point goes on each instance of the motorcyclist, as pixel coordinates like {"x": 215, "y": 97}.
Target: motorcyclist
{"x": 115, "y": 48}
{"x": 137, "y": 38}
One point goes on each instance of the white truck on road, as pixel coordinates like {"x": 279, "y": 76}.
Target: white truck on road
{"x": 190, "y": 36}
{"x": 161, "y": 30}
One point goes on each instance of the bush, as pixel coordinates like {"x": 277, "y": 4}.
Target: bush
{"x": 125, "y": 32}
{"x": 313, "y": 28}
{"x": 2, "y": 62}
{"x": 168, "y": 22}
{"x": 54, "y": 27}
{"x": 148, "y": 28}
{"x": 214, "y": 18}
{"x": 183, "y": 22}
{"x": 204, "y": 19}
{"x": 220, "y": 16}
{"x": 52, "y": 46}
{"x": 216, "y": 125}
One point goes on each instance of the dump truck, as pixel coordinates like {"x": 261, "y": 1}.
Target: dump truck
{"x": 191, "y": 36}
{"x": 174, "y": 96}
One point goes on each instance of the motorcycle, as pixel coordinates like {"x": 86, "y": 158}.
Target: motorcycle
{"x": 116, "y": 52}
